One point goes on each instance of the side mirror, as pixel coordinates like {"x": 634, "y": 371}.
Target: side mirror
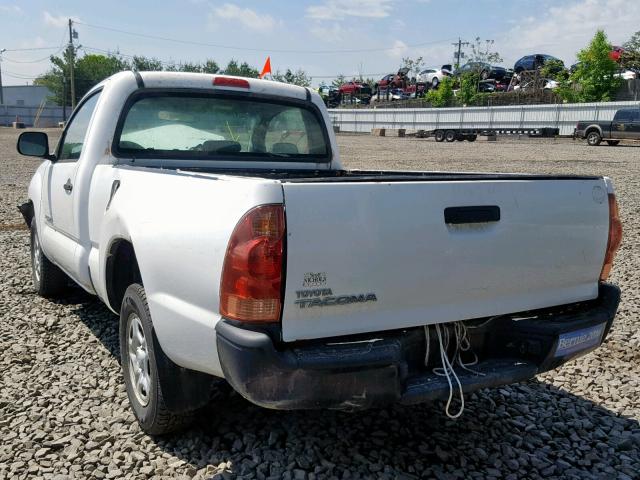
{"x": 34, "y": 144}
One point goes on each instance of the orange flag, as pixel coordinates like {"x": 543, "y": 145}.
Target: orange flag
{"x": 267, "y": 67}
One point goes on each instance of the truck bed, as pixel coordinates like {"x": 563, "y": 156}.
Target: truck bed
{"x": 310, "y": 176}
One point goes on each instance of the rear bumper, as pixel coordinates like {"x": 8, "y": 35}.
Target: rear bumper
{"x": 578, "y": 133}
{"x": 386, "y": 367}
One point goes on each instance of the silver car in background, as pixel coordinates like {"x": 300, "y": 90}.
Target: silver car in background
{"x": 434, "y": 75}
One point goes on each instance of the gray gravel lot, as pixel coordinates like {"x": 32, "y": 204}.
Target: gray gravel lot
{"x": 64, "y": 411}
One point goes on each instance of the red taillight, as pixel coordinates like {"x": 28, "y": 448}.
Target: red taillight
{"x": 250, "y": 290}
{"x": 230, "y": 82}
{"x": 615, "y": 237}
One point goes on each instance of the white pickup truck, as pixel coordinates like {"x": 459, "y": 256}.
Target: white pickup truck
{"x": 213, "y": 215}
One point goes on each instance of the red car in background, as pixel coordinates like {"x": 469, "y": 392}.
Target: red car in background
{"x": 616, "y": 53}
{"x": 355, "y": 88}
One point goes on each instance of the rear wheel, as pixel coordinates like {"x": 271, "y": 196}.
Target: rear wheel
{"x": 450, "y": 136}
{"x": 594, "y": 138}
{"x": 471, "y": 138}
{"x": 439, "y": 135}
{"x": 613, "y": 143}
{"x": 139, "y": 352}
{"x": 48, "y": 279}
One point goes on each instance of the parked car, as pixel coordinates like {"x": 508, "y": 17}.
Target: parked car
{"x": 540, "y": 84}
{"x": 533, "y": 62}
{"x": 616, "y": 53}
{"x": 627, "y": 74}
{"x": 355, "y": 88}
{"x": 213, "y": 215}
{"x": 485, "y": 70}
{"x": 624, "y": 126}
{"x": 434, "y": 75}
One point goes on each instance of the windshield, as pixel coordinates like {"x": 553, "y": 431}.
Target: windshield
{"x": 189, "y": 126}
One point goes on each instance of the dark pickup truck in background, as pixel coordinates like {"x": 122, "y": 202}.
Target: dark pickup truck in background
{"x": 624, "y": 126}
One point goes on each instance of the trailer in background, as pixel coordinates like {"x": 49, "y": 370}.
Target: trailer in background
{"x": 471, "y": 134}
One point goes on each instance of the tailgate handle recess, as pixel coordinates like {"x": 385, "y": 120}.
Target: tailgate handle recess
{"x": 472, "y": 214}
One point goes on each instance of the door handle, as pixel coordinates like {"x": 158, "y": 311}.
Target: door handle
{"x": 68, "y": 186}
{"x": 472, "y": 214}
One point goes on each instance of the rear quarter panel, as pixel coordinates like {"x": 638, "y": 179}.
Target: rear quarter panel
{"x": 179, "y": 225}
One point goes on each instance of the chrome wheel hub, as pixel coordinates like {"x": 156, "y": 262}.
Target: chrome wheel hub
{"x": 139, "y": 368}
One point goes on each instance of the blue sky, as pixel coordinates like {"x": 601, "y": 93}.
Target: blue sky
{"x": 389, "y": 29}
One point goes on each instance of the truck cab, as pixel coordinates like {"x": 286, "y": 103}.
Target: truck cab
{"x": 624, "y": 126}
{"x": 213, "y": 216}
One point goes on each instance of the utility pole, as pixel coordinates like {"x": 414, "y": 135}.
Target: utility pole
{"x": 1, "y": 94}
{"x": 71, "y": 54}
{"x": 458, "y": 53}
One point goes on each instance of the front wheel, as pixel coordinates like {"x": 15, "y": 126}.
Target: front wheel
{"x": 49, "y": 281}
{"x": 139, "y": 350}
{"x": 594, "y": 139}
{"x": 435, "y": 82}
{"x": 613, "y": 143}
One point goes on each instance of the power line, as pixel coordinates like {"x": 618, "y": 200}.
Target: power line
{"x": 44, "y": 59}
{"x": 30, "y": 49}
{"x": 248, "y": 49}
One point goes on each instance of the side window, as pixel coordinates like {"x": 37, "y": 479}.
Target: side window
{"x": 623, "y": 116}
{"x": 73, "y": 139}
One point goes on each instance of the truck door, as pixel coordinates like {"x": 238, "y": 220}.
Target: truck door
{"x": 634, "y": 131}
{"x": 622, "y": 124}
{"x": 62, "y": 235}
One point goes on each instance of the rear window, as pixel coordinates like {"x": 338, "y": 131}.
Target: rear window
{"x": 180, "y": 126}
{"x": 625, "y": 115}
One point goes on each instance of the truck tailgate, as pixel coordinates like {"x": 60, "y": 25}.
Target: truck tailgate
{"x": 371, "y": 256}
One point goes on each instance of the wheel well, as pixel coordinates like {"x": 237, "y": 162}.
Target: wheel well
{"x": 121, "y": 271}
{"x": 592, "y": 129}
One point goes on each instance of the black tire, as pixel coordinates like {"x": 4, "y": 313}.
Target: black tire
{"x": 48, "y": 280}
{"x": 594, "y": 138}
{"x": 613, "y": 143}
{"x": 439, "y": 135}
{"x": 150, "y": 410}
{"x": 472, "y": 138}
{"x": 450, "y": 136}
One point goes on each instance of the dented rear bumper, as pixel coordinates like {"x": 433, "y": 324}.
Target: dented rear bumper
{"x": 385, "y": 367}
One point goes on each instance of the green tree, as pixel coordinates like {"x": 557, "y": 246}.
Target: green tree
{"x": 553, "y": 69}
{"x": 240, "y": 69}
{"x": 414, "y": 65}
{"x": 146, "y": 64}
{"x": 482, "y": 51}
{"x": 339, "y": 81}
{"x": 468, "y": 87}
{"x": 299, "y": 77}
{"x": 443, "y": 95}
{"x": 630, "y": 58}
{"x": 88, "y": 70}
{"x": 595, "y": 77}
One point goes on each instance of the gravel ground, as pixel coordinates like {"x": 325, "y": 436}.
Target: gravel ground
{"x": 64, "y": 411}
